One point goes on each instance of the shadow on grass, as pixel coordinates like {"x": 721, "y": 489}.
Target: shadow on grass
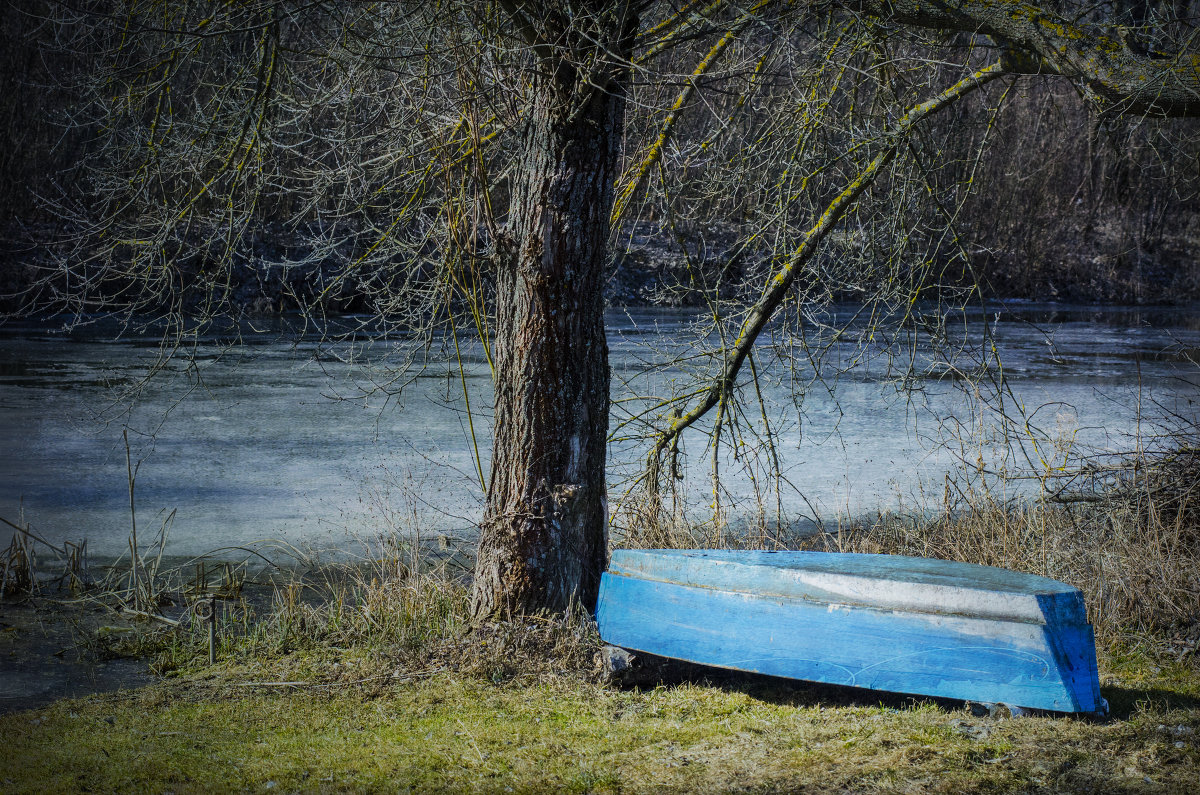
{"x": 661, "y": 672}
{"x": 654, "y": 672}
{"x": 1125, "y": 701}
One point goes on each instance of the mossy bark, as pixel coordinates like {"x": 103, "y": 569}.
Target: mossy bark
{"x": 543, "y": 538}
{"x": 1118, "y": 77}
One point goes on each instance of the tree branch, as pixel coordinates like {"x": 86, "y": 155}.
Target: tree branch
{"x": 782, "y": 280}
{"x": 1118, "y": 79}
{"x": 654, "y": 153}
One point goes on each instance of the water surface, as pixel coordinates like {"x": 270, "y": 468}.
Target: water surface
{"x": 278, "y": 440}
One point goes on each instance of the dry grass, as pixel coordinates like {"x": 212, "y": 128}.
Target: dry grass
{"x": 407, "y": 610}
{"x": 1135, "y": 557}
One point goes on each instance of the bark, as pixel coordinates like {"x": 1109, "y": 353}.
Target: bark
{"x": 543, "y": 538}
{"x": 1119, "y": 78}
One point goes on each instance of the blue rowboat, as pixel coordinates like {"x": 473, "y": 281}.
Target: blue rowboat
{"x": 884, "y": 622}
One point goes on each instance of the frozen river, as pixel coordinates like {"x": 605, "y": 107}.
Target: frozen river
{"x": 276, "y": 440}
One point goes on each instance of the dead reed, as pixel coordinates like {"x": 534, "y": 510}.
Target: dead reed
{"x": 1133, "y": 548}
{"x": 1124, "y": 529}
{"x": 20, "y": 575}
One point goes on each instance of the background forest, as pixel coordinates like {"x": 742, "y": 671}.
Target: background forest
{"x": 1048, "y": 199}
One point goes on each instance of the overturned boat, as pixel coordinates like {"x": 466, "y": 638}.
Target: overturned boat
{"x": 884, "y": 622}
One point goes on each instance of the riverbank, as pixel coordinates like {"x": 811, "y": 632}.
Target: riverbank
{"x": 372, "y": 677}
{"x": 344, "y": 720}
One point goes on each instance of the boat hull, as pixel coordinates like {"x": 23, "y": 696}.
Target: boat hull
{"x": 856, "y": 634}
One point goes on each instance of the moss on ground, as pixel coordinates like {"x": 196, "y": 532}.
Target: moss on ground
{"x": 229, "y": 730}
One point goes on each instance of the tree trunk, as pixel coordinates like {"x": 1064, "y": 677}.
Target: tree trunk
{"x": 543, "y": 538}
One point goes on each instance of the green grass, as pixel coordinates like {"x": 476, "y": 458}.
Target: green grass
{"x": 209, "y": 731}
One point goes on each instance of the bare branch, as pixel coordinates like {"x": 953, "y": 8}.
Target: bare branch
{"x": 781, "y": 281}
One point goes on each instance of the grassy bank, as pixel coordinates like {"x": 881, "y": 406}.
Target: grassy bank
{"x": 228, "y": 730}
{"x": 372, "y": 678}
{"x": 325, "y": 697}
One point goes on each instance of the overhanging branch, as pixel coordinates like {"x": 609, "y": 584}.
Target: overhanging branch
{"x": 781, "y": 281}
{"x": 654, "y": 153}
{"x": 1119, "y": 79}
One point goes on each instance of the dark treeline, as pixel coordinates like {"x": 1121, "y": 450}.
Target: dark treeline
{"x": 1025, "y": 189}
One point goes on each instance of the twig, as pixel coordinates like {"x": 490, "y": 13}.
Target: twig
{"x": 153, "y": 617}
{"x": 32, "y": 535}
